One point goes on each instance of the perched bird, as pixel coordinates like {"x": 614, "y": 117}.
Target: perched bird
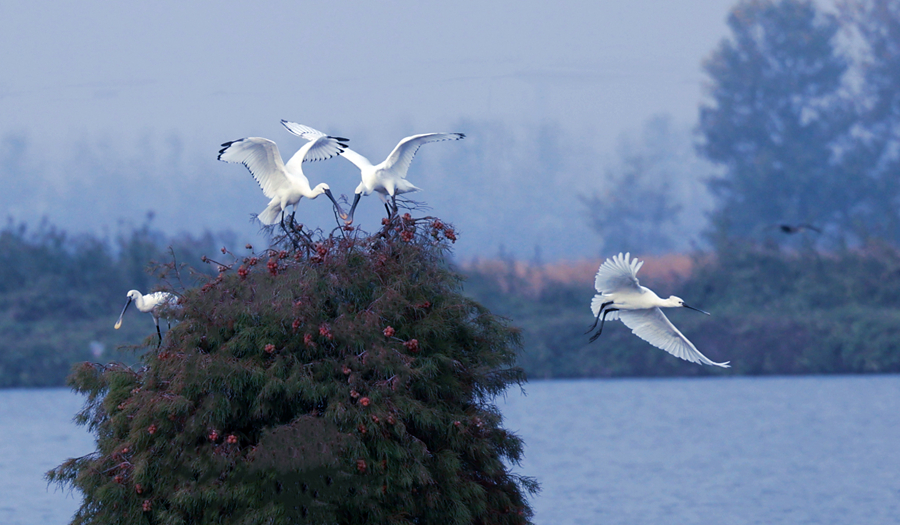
{"x": 284, "y": 183}
{"x": 795, "y": 228}
{"x": 154, "y": 303}
{"x": 388, "y": 178}
{"x": 622, "y": 296}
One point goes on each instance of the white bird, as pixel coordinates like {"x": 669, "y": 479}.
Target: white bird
{"x": 389, "y": 177}
{"x": 622, "y": 296}
{"x": 155, "y": 303}
{"x": 284, "y": 183}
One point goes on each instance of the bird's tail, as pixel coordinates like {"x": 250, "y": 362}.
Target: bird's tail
{"x": 597, "y": 302}
{"x": 270, "y": 215}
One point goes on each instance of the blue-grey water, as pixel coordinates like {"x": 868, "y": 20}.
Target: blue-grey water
{"x": 791, "y": 450}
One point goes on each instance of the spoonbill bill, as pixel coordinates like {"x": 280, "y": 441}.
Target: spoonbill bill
{"x": 284, "y": 183}
{"x": 154, "y": 303}
{"x": 388, "y": 178}
{"x": 622, "y": 296}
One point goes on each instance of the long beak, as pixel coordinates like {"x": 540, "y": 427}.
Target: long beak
{"x": 695, "y": 309}
{"x": 349, "y": 219}
{"x": 340, "y": 211}
{"x": 119, "y": 322}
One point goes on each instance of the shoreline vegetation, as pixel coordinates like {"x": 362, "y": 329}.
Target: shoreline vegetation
{"x": 774, "y": 310}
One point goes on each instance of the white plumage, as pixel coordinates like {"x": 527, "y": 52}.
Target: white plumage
{"x": 621, "y": 296}
{"x": 155, "y": 303}
{"x": 284, "y": 184}
{"x": 388, "y": 178}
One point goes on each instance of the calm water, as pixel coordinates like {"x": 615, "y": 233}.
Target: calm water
{"x": 798, "y": 450}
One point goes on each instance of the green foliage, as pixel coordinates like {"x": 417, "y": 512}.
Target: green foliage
{"x": 775, "y": 121}
{"x": 59, "y": 294}
{"x": 773, "y": 312}
{"x": 341, "y": 380}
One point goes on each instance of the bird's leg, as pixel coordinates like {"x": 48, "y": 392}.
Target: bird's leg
{"x": 158, "y": 333}
{"x": 597, "y": 319}
{"x": 602, "y": 322}
{"x": 283, "y": 227}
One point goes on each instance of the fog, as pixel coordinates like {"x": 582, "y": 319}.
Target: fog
{"x": 110, "y": 112}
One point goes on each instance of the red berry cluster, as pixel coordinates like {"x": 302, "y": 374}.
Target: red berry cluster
{"x": 354, "y": 394}
{"x": 308, "y": 340}
{"x": 325, "y": 332}
{"x": 375, "y": 418}
{"x": 243, "y": 272}
{"x": 138, "y": 488}
{"x": 364, "y": 401}
{"x": 270, "y": 348}
{"x": 346, "y": 370}
{"x": 389, "y": 331}
{"x": 361, "y": 428}
{"x": 361, "y": 465}
{"x": 412, "y": 345}
{"x": 272, "y": 265}
{"x": 390, "y": 419}
{"x": 213, "y": 435}
{"x": 152, "y": 429}
{"x": 296, "y": 324}
{"x": 146, "y": 505}
{"x": 231, "y": 439}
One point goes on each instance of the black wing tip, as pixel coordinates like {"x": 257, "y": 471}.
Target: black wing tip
{"x": 339, "y": 139}
{"x": 460, "y": 135}
{"x": 225, "y": 146}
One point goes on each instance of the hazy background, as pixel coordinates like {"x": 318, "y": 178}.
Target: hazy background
{"x": 110, "y": 111}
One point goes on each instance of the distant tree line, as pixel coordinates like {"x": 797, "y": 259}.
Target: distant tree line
{"x": 60, "y": 294}
{"x": 774, "y": 311}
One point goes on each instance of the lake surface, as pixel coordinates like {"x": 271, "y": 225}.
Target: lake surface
{"x": 791, "y": 450}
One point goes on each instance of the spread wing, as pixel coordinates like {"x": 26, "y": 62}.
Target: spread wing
{"x": 653, "y": 326}
{"x": 323, "y": 146}
{"x": 262, "y": 158}
{"x": 618, "y": 274}
{"x": 399, "y": 159}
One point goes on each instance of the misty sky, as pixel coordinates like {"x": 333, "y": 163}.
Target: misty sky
{"x": 123, "y": 89}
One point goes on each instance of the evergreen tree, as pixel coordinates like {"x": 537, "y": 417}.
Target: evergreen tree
{"x": 342, "y": 379}
{"x": 775, "y": 120}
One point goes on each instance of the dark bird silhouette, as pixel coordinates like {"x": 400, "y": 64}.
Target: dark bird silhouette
{"x": 795, "y": 228}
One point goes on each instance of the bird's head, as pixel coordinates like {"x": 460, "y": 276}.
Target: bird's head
{"x": 676, "y": 301}
{"x": 132, "y": 295}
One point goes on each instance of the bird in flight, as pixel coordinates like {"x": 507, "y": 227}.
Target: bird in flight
{"x": 622, "y": 297}
{"x": 795, "y": 228}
